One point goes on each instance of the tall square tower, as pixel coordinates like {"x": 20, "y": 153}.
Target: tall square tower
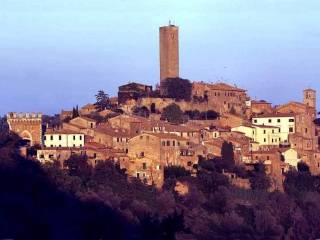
{"x": 169, "y": 53}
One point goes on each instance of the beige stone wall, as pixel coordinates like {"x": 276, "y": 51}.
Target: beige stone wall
{"x": 27, "y": 125}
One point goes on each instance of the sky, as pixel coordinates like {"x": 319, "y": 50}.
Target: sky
{"x": 56, "y": 54}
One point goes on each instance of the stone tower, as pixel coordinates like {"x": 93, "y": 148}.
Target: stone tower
{"x": 309, "y": 97}
{"x": 169, "y": 53}
{"x": 26, "y": 125}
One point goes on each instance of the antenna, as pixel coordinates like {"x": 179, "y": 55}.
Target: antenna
{"x": 169, "y": 22}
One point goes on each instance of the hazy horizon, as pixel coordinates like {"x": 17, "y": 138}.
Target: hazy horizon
{"x": 58, "y": 54}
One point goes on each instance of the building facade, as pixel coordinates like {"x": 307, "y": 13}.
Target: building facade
{"x": 28, "y": 126}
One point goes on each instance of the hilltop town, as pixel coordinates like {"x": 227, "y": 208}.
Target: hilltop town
{"x": 146, "y": 130}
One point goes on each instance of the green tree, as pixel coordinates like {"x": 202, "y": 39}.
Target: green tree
{"x": 141, "y": 111}
{"x": 227, "y": 155}
{"x": 178, "y": 88}
{"x": 259, "y": 179}
{"x": 4, "y": 128}
{"x": 173, "y": 114}
{"x": 102, "y": 100}
{"x": 75, "y": 112}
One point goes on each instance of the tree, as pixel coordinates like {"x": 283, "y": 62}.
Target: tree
{"x": 227, "y": 155}
{"x": 4, "y": 128}
{"x": 259, "y": 179}
{"x": 303, "y": 167}
{"x": 78, "y": 166}
{"x": 102, "y": 100}
{"x": 75, "y": 112}
{"x": 178, "y": 88}
{"x": 141, "y": 111}
{"x": 175, "y": 172}
{"x": 173, "y": 114}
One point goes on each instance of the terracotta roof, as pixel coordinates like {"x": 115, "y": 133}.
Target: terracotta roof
{"x": 274, "y": 115}
{"x": 89, "y": 105}
{"x": 114, "y": 132}
{"x": 61, "y": 131}
{"x": 264, "y": 126}
{"x": 166, "y": 136}
{"x": 225, "y": 87}
{"x": 86, "y": 118}
{"x": 259, "y": 102}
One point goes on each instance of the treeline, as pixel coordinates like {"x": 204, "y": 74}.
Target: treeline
{"x": 45, "y": 202}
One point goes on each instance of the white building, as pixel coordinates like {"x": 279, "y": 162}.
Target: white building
{"x": 63, "y": 138}
{"x": 263, "y": 135}
{"x": 285, "y": 122}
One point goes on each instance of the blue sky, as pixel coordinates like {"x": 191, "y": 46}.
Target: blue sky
{"x": 56, "y": 54}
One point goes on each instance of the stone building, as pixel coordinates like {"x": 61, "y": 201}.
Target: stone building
{"x": 150, "y": 152}
{"x": 169, "y": 53}
{"x": 221, "y": 97}
{"x": 116, "y": 138}
{"x": 81, "y": 124}
{"x": 28, "y": 126}
{"x": 255, "y": 107}
{"x": 304, "y": 137}
{"x": 87, "y": 109}
{"x": 133, "y": 91}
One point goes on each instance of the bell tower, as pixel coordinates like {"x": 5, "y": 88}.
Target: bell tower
{"x": 310, "y": 97}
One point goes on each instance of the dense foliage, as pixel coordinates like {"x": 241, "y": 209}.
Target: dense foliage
{"x": 102, "y": 100}
{"x": 206, "y": 115}
{"x": 173, "y": 114}
{"x": 178, "y": 88}
{"x": 45, "y": 202}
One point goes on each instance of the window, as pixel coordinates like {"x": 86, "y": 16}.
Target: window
{"x": 74, "y": 137}
{"x": 91, "y": 125}
{"x": 80, "y": 145}
{"x": 255, "y": 120}
{"x": 142, "y": 154}
{"x": 138, "y": 175}
{"x": 268, "y": 158}
{"x": 163, "y": 143}
{"x": 94, "y": 155}
{"x": 118, "y": 140}
{"x": 42, "y": 156}
{"x": 264, "y": 140}
{"x": 74, "y": 145}
{"x": 168, "y": 143}
{"x": 278, "y": 120}
{"x": 51, "y": 137}
{"x": 60, "y": 137}
{"x": 291, "y": 129}
{"x": 272, "y": 131}
{"x": 270, "y": 120}
{"x": 45, "y": 137}
{"x": 173, "y": 143}
{"x": 80, "y": 137}
{"x": 264, "y": 131}
{"x": 144, "y": 165}
{"x": 291, "y": 120}
{"x": 306, "y": 130}
{"x": 59, "y": 145}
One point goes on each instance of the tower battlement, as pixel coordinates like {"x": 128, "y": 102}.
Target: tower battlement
{"x": 24, "y": 116}
{"x": 26, "y": 125}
